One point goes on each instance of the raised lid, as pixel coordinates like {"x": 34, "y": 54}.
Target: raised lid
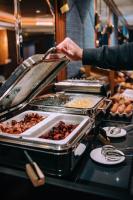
{"x": 29, "y": 78}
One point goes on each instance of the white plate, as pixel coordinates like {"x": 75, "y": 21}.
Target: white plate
{"x": 96, "y": 155}
{"x": 122, "y": 133}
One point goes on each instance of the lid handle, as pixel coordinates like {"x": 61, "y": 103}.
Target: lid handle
{"x": 51, "y": 50}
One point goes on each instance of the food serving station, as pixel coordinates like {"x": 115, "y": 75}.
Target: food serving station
{"x": 56, "y": 130}
{"x": 67, "y": 118}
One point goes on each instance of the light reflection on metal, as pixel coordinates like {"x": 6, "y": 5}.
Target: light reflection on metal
{"x": 38, "y": 11}
{"x": 51, "y": 8}
{"x": 18, "y": 29}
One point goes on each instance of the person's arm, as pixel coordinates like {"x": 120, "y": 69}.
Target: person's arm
{"x": 117, "y": 58}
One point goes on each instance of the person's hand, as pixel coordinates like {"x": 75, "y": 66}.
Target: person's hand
{"x": 70, "y": 49}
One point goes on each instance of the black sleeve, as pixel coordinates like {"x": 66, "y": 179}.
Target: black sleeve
{"x": 115, "y": 58}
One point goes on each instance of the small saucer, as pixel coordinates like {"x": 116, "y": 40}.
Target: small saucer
{"x": 122, "y": 132}
{"x": 97, "y": 156}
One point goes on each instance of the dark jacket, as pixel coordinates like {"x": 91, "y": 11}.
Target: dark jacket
{"x": 115, "y": 58}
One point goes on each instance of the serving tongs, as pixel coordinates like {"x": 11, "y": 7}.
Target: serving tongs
{"x": 129, "y": 127}
{"x": 115, "y": 131}
{"x": 111, "y": 153}
{"x": 34, "y": 172}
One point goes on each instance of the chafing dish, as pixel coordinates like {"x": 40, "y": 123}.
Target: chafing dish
{"x": 61, "y": 102}
{"x": 58, "y": 157}
{"x": 84, "y": 86}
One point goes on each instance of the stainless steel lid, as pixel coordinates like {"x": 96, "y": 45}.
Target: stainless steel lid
{"x": 87, "y": 86}
{"x": 29, "y": 78}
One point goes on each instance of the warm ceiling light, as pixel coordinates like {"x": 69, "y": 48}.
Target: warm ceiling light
{"x": 38, "y": 11}
{"x": 44, "y": 23}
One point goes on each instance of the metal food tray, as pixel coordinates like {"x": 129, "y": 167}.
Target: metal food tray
{"x": 80, "y": 86}
{"x": 56, "y": 158}
{"x": 58, "y": 101}
{"x": 25, "y": 83}
{"x": 20, "y": 117}
{"x": 81, "y": 121}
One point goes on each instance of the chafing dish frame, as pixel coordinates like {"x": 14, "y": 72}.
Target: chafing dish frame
{"x": 102, "y": 105}
{"x": 55, "y": 160}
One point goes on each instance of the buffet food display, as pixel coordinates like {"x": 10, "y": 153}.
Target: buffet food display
{"x": 14, "y": 126}
{"x": 81, "y": 102}
{"x": 70, "y": 102}
{"x": 124, "y": 80}
{"x": 59, "y": 132}
{"x": 121, "y": 106}
{"x": 55, "y": 127}
{"x": 35, "y": 129}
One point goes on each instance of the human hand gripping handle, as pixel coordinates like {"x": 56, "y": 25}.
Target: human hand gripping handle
{"x": 70, "y": 49}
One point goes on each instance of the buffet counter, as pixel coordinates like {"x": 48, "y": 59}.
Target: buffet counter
{"x": 91, "y": 178}
{"x": 56, "y": 132}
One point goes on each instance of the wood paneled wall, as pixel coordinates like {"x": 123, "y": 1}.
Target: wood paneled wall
{"x": 60, "y": 33}
{"x": 3, "y": 46}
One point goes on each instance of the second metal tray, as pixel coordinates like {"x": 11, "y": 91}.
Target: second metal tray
{"x": 61, "y": 102}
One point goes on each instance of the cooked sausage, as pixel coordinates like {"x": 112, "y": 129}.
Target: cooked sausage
{"x": 121, "y": 108}
{"x": 127, "y": 102}
{"x": 116, "y": 98}
{"x": 114, "y": 108}
{"x": 128, "y": 109}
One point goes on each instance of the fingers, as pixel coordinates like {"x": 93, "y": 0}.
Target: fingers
{"x": 61, "y": 47}
{"x": 68, "y": 53}
{"x": 63, "y": 44}
{"x": 70, "y": 49}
